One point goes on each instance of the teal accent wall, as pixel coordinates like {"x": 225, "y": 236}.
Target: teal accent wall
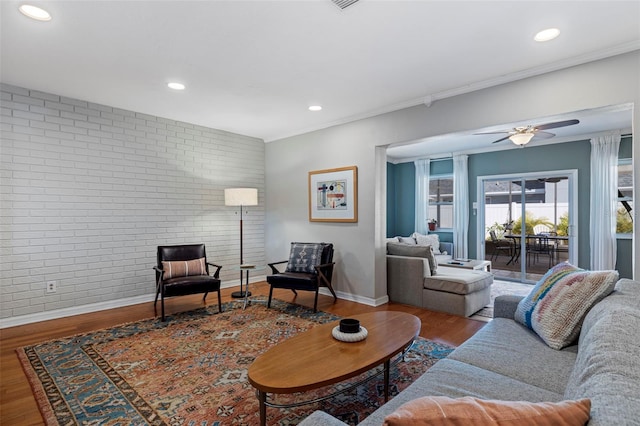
{"x": 624, "y": 258}
{"x": 391, "y": 197}
{"x": 401, "y": 197}
{"x": 626, "y": 148}
{"x": 570, "y": 155}
{"x": 441, "y": 167}
{"x": 402, "y": 181}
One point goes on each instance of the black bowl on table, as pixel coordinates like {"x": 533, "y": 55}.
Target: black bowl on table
{"x": 349, "y": 325}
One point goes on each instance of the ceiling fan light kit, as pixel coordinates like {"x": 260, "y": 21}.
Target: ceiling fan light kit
{"x": 522, "y": 135}
{"x": 521, "y": 139}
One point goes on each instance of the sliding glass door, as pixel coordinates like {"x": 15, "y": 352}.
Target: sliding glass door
{"x": 527, "y": 223}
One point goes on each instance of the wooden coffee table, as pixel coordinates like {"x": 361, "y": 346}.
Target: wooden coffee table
{"x": 315, "y": 359}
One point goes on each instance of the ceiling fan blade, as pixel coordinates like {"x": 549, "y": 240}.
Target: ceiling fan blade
{"x": 544, "y": 135}
{"x": 557, "y": 124}
{"x": 494, "y": 133}
{"x": 501, "y": 139}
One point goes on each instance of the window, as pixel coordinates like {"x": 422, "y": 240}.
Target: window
{"x": 624, "y": 223}
{"x": 441, "y": 200}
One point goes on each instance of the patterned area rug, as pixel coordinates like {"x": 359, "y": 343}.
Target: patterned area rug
{"x": 499, "y": 288}
{"x": 191, "y": 370}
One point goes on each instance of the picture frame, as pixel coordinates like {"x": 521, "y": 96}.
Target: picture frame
{"x": 333, "y": 195}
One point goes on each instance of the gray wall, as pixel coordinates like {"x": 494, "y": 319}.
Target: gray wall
{"x": 89, "y": 191}
{"x": 360, "y": 247}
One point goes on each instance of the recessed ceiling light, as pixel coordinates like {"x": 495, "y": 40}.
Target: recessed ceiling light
{"x": 176, "y": 86}
{"x": 315, "y": 108}
{"x": 34, "y": 12}
{"x": 548, "y": 34}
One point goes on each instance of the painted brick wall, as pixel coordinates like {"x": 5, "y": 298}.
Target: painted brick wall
{"x": 88, "y": 191}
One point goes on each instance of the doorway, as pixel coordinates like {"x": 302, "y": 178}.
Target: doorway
{"x": 527, "y": 223}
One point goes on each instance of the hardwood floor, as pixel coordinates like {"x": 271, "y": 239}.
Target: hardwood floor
{"x": 18, "y": 406}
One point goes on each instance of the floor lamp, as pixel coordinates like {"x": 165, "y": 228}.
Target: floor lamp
{"x": 240, "y": 197}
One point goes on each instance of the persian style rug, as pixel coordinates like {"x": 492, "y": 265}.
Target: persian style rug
{"x": 499, "y": 288}
{"x": 192, "y": 370}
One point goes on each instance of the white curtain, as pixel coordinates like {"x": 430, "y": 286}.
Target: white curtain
{"x": 422, "y": 194}
{"x": 604, "y": 201}
{"x": 460, "y": 206}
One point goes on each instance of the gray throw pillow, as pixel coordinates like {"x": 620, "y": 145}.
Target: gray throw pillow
{"x": 303, "y": 257}
{"x": 410, "y": 250}
{"x": 404, "y": 249}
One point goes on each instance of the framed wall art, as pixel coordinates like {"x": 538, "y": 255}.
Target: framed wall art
{"x": 333, "y": 195}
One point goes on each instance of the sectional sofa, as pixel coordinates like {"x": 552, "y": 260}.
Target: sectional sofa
{"x": 507, "y": 361}
{"x": 414, "y": 277}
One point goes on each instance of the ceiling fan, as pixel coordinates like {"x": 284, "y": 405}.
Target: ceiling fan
{"x": 522, "y": 135}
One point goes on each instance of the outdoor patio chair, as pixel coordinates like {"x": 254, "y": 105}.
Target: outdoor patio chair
{"x": 541, "y": 246}
{"x": 541, "y": 229}
{"x": 500, "y": 246}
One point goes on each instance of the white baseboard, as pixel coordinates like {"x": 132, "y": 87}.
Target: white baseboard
{"x": 119, "y": 303}
{"x": 95, "y": 307}
{"x": 75, "y": 310}
{"x": 355, "y": 298}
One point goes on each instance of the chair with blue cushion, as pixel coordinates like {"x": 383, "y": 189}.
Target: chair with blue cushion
{"x": 309, "y": 267}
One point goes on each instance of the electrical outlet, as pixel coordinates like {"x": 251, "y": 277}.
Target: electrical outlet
{"x": 52, "y": 286}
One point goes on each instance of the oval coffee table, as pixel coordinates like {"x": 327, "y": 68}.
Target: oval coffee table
{"x": 315, "y": 359}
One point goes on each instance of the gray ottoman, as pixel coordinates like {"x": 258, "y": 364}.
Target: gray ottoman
{"x": 457, "y": 291}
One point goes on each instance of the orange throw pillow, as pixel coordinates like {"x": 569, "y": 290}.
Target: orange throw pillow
{"x": 445, "y": 411}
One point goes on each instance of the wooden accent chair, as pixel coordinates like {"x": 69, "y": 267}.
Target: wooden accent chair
{"x": 310, "y": 266}
{"x": 182, "y": 270}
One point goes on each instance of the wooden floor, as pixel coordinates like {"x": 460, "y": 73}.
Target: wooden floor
{"x": 18, "y": 406}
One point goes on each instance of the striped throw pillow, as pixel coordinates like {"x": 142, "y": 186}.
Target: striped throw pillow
{"x": 558, "y": 303}
{"x": 184, "y": 268}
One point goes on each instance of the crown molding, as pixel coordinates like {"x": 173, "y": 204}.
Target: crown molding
{"x": 484, "y": 84}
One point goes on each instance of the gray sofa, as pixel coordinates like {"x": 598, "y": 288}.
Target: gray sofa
{"x": 411, "y": 281}
{"x": 506, "y": 361}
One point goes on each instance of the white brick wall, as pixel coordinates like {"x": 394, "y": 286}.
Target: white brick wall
{"x": 87, "y": 192}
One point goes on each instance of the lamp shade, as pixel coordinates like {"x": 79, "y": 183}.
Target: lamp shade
{"x": 521, "y": 138}
{"x": 241, "y": 197}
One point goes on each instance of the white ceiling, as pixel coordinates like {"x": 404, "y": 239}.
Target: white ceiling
{"x": 253, "y": 67}
{"x": 592, "y": 122}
